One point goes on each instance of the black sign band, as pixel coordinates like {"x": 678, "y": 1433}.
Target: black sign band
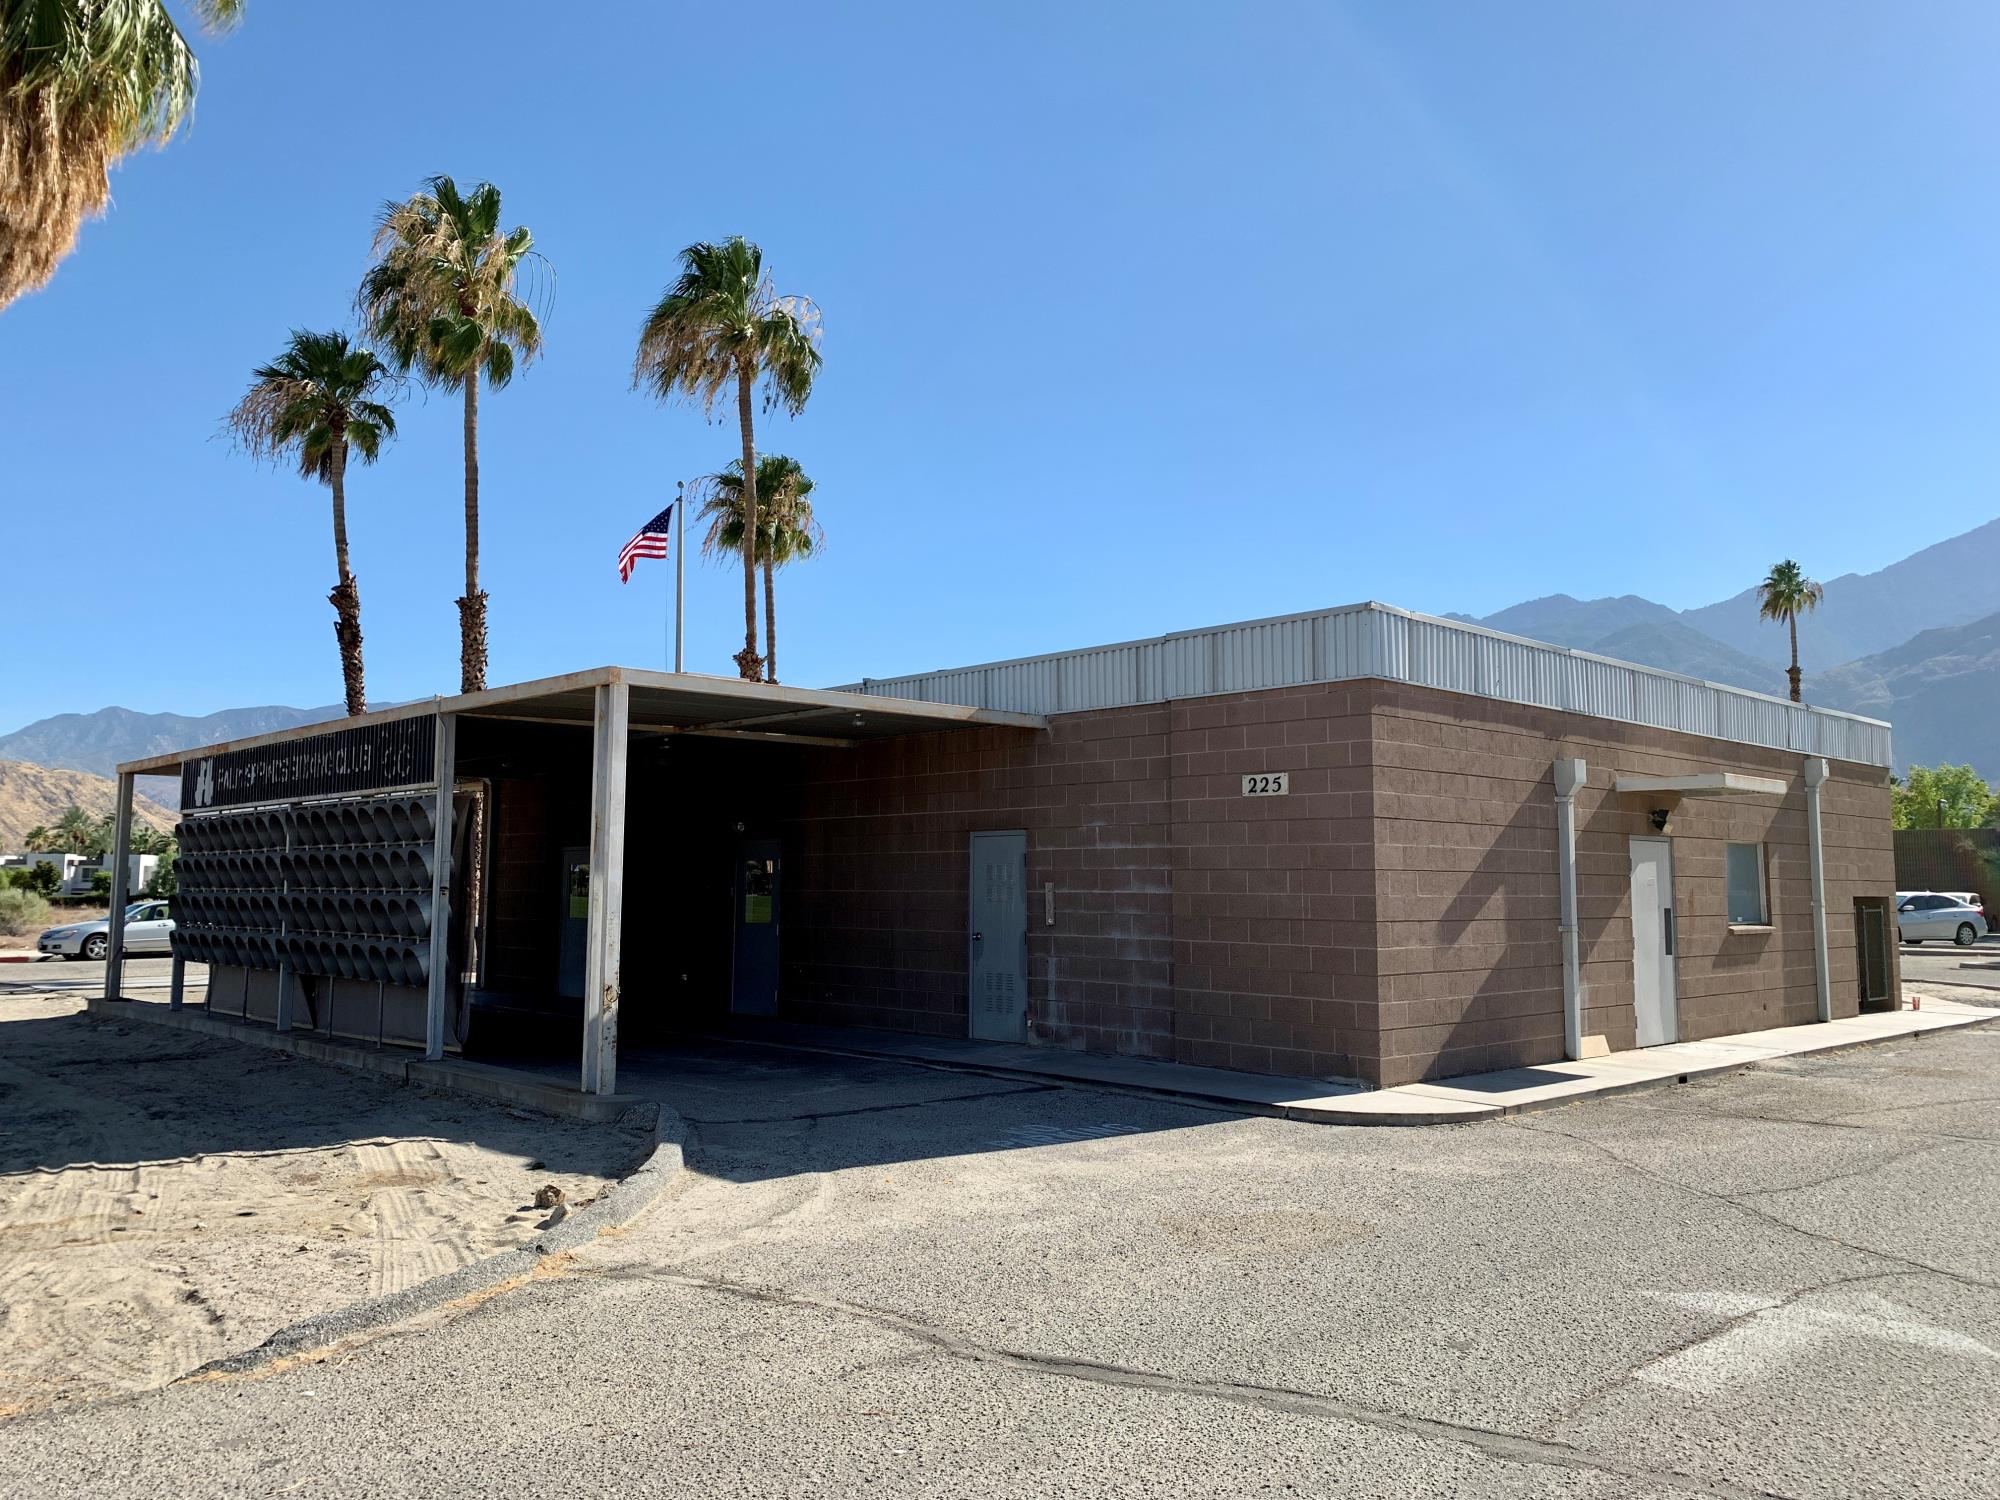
{"x": 366, "y": 758}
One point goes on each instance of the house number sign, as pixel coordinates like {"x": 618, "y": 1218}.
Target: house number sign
{"x": 1268, "y": 784}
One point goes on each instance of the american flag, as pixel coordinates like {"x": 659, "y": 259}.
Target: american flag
{"x": 651, "y": 541}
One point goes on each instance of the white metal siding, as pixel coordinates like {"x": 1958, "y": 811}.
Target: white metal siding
{"x": 1375, "y": 640}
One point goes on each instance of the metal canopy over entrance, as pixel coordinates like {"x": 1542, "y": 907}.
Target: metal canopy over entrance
{"x": 1705, "y": 784}
{"x": 350, "y": 757}
{"x": 660, "y": 703}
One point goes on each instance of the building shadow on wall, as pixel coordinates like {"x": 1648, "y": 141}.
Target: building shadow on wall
{"x": 1514, "y": 883}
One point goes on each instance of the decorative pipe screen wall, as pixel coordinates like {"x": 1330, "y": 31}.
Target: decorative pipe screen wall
{"x": 1377, "y": 640}
{"x": 338, "y": 889}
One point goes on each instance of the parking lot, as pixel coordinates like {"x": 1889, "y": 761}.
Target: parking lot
{"x": 1970, "y": 974}
{"x": 889, "y": 1279}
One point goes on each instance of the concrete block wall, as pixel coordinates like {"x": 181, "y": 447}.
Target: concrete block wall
{"x": 1466, "y": 849}
{"x": 1274, "y": 899}
{"x": 1393, "y": 918}
{"x": 877, "y": 900}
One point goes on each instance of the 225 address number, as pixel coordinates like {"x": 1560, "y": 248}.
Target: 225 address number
{"x": 1268, "y": 784}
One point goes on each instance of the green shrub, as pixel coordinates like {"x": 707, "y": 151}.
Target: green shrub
{"x": 164, "y": 882}
{"x": 100, "y": 885}
{"x": 22, "y": 913}
{"x": 42, "y": 879}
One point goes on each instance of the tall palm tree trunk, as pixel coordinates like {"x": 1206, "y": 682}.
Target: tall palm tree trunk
{"x": 748, "y": 664}
{"x": 472, "y": 608}
{"x": 1793, "y": 673}
{"x": 346, "y": 595}
{"x": 770, "y": 618}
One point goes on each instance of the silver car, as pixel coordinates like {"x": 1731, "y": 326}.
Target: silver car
{"x": 148, "y": 929}
{"x": 1929, "y": 914}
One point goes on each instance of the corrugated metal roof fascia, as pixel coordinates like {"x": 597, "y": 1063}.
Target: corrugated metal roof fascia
{"x": 1380, "y": 640}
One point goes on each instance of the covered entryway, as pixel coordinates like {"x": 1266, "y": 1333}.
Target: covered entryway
{"x": 603, "y": 794}
{"x": 1745, "y": 902}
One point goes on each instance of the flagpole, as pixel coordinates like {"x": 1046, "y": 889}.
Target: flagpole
{"x": 680, "y": 569}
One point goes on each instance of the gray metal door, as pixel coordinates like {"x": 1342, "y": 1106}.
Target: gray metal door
{"x": 754, "y": 972}
{"x": 997, "y": 966}
{"x": 1654, "y": 998}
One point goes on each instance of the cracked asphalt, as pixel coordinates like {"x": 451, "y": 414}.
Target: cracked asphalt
{"x": 888, "y": 1280}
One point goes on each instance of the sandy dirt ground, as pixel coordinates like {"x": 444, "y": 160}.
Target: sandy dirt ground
{"x": 167, "y": 1198}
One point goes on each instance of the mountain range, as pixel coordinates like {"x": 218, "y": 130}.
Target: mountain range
{"x": 1916, "y": 642}
{"x": 98, "y": 742}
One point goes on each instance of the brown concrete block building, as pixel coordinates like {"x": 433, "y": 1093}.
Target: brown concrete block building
{"x": 1355, "y": 844}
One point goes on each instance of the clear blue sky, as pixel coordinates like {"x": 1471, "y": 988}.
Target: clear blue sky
{"x": 1136, "y": 319}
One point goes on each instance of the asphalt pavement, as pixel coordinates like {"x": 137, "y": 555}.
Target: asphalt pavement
{"x": 879, "y": 1279}
{"x": 63, "y": 976}
{"x": 1932, "y": 965}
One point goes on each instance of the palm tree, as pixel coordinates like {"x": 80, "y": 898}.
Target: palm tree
{"x": 786, "y": 529}
{"x": 82, "y": 83}
{"x": 441, "y": 298}
{"x": 75, "y": 830}
{"x": 316, "y": 401}
{"x": 720, "y": 325}
{"x": 41, "y": 839}
{"x": 1784, "y": 594}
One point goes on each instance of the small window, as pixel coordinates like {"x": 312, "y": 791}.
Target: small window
{"x": 1746, "y": 886}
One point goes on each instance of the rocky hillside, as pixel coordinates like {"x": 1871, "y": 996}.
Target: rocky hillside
{"x": 98, "y": 742}
{"x": 31, "y": 795}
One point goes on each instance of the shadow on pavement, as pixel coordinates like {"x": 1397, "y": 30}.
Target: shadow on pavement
{"x": 79, "y": 1089}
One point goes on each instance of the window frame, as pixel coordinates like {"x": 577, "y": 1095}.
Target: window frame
{"x": 1763, "y": 918}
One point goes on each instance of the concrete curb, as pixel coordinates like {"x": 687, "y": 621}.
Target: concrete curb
{"x": 1194, "y": 1097}
{"x": 451, "y": 1074}
{"x": 623, "y": 1202}
{"x": 1447, "y": 1102}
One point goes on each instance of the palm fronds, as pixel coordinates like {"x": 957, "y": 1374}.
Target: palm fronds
{"x": 82, "y": 83}
{"x": 787, "y": 531}
{"x": 442, "y": 296}
{"x": 721, "y": 318}
{"x": 315, "y": 394}
{"x": 1787, "y": 593}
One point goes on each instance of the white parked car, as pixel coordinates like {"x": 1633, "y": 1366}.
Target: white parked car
{"x": 148, "y": 929}
{"x": 1931, "y": 914}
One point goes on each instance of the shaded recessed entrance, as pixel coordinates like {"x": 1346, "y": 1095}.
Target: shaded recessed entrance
{"x": 620, "y": 832}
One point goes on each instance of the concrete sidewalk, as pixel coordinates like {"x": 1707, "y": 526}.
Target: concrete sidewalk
{"x": 1477, "y": 1096}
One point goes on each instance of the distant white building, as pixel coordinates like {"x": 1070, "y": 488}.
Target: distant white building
{"x": 75, "y": 870}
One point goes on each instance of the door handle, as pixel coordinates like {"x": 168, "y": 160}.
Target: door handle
{"x": 1668, "y": 914}
{"x": 979, "y": 937}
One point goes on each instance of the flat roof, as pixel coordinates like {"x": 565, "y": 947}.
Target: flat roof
{"x": 1379, "y": 640}
{"x": 661, "y": 702}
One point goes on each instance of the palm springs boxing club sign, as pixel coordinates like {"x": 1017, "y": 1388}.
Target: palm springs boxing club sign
{"x": 365, "y": 758}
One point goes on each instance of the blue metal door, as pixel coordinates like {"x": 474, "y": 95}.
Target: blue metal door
{"x": 754, "y": 979}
